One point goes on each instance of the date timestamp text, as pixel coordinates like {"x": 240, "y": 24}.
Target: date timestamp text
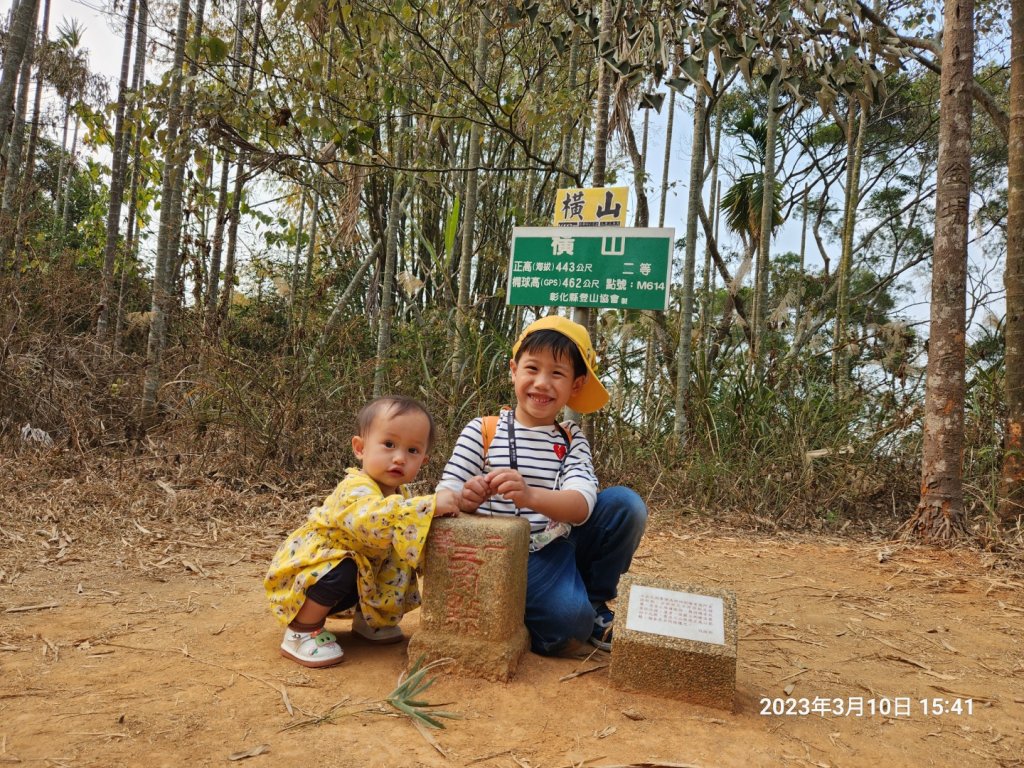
{"x": 859, "y": 706}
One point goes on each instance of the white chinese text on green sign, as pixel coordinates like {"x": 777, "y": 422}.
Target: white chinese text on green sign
{"x": 557, "y": 266}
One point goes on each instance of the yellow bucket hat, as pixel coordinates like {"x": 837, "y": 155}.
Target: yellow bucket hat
{"x": 592, "y": 395}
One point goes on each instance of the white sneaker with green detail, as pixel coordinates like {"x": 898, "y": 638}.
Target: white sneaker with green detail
{"x": 315, "y": 649}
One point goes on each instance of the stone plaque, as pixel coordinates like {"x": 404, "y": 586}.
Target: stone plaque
{"x": 676, "y": 640}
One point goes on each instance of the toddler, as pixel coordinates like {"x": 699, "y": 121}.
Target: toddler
{"x": 362, "y": 546}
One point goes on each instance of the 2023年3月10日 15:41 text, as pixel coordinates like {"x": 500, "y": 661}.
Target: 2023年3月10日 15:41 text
{"x": 859, "y": 706}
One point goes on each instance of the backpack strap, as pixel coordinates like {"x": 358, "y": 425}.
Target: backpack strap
{"x": 489, "y": 427}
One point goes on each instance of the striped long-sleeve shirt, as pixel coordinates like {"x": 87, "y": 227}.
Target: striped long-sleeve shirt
{"x": 538, "y": 455}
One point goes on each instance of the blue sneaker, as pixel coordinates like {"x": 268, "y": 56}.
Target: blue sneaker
{"x": 601, "y": 636}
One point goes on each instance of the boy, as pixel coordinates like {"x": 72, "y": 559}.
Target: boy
{"x": 582, "y": 541}
{"x": 364, "y": 544}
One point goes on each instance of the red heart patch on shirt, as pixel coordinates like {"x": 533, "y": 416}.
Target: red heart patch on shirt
{"x": 559, "y": 451}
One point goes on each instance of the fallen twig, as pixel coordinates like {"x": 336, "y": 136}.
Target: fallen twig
{"x": 262, "y": 749}
{"x": 582, "y": 762}
{"x": 974, "y": 696}
{"x": 287, "y": 703}
{"x": 581, "y": 672}
{"x": 40, "y": 607}
{"x": 784, "y": 637}
{"x": 923, "y": 667}
{"x": 488, "y": 757}
{"x": 332, "y": 713}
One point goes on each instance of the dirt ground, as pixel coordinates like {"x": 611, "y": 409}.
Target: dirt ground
{"x": 133, "y": 630}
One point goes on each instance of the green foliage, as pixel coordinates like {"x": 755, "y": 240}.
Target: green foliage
{"x": 743, "y": 200}
{"x": 412, "y": 685}
{"x": 790, "y": 457}
{"x": 349, "y": 100}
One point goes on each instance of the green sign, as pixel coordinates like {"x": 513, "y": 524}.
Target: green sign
{"x": 585, "y": 267}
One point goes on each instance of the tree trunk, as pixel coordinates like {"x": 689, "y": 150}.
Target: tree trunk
{"x": 707, "y": 289}
{"x": 118, "y": 167}
{"x": 803, "y": 255}
{"x": 28, "y": 185}
{"x": 234, "y": 215}
{"x": 135, "y": 139}
{"x": 236, "y": 196}
{"x": 294, "y": 282}
{"x": 189, "y": 104}
{"x": 668, "y": 156}
{"x": 1011, "y": 502}
{"x": 58, "y": 186}
{"x": 339, "y": 306}
{"x": 307, "y": 278}
{"x": 217, "y": 248}
{"x": 460, "y": 328}
{"x": 583, "y": 315}
{"x": 387, "y": 288}
{"x": 604, "y": 92}
{"x": 23, "y": 28}
{"x": 637, "y": 156}
{"x": 689, "y": 261}
{"x": 841, "y": 354}
{"x": 940, "y": 515}
{"x": 767, "y": 214}
{"x": 12, "y": 180}
{"x": 164, "y": 267}
{"x": 565, "y": 140}
{"x": 65, "y": 216}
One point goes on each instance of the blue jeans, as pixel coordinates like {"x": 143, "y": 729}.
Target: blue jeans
{"x": 567, "y": 577}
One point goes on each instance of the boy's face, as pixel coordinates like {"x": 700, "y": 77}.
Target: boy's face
{"x": 393, "y": 449}
{"x": 543, "y": 385}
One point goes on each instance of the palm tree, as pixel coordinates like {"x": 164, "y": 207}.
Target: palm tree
{"x": 69, "y": 74}
{"x": 743, "y": 202}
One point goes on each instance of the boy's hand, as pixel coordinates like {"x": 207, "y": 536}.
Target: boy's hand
{"x": 510, "y": 484}
{"x": 447, "y": 504}
{"x": 475, "y": 492}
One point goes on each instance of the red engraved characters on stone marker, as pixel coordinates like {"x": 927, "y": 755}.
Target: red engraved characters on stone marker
{"x": 462, "y": 611}
{"x": 494, "y": 543}
{"x": 465, "y": 601}
{"x": 443, "y": 540}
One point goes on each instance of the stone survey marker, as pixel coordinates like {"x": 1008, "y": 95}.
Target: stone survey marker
{"x": 474, "y": 595}
{"x": 675, "y": 640}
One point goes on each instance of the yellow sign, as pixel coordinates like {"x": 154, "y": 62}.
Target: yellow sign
{"x": 595, "y": 207}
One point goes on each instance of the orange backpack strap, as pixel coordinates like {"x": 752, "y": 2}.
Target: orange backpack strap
{"x": 488, "y": 426}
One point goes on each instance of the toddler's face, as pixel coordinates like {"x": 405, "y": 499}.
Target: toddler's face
{"x": 393, "y": 449}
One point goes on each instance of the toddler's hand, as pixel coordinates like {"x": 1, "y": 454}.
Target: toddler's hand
{"x": 447, "y": 504}
{"x": 474, "y": 493}
{"x": 510, "y": 484}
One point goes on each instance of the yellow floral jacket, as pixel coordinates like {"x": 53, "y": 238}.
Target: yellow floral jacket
{"x": 383, "y": 535}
